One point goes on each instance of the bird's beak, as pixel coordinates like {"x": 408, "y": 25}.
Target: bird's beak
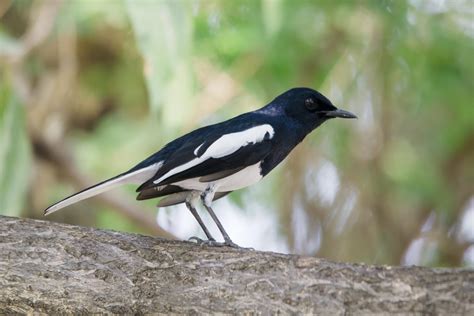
{"x": 340, "y": 113}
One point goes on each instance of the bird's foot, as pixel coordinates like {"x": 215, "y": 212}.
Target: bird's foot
{"x": 201, "y": 242}
{"x": 207, "y": 242}
{"x": 229, "y": 243}
{"x": 214, "y": 243}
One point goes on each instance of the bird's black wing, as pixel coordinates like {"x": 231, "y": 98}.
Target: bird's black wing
{"x": 218, "y": 155}
{"x": 159, "y": 191}
{"x": 214, "y": 169}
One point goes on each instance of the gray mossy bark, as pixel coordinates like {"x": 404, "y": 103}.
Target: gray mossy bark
{"x": 57, "y": 268}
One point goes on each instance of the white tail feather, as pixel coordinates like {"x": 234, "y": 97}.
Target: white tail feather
{"x": 137, "y": 177}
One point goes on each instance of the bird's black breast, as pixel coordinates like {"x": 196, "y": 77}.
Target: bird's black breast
{"x": 288, "y": 134}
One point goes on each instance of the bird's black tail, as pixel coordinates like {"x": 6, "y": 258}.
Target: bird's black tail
{"x": 131, "y": 176}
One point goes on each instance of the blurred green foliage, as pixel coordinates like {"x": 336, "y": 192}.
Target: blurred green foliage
{"x": 14, "y": 153}
{"x": 111, "y": 82}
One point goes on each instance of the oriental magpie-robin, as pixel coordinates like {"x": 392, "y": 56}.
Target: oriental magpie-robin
{"x": 212, "y": 161}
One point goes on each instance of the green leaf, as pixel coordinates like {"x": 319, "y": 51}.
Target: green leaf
{"x": 163, "y": 31}
{"x": 272, "y": 11}
{"x": 15, "y": 156}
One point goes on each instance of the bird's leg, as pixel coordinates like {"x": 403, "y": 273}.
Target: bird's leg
{"x": 207, "y": 196}
{"x": 191, "y": 201}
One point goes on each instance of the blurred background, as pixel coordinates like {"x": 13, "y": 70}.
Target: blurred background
{"x": 90, "y": 88}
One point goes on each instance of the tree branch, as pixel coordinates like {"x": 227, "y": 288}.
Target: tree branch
{"x": 56, "y": 268}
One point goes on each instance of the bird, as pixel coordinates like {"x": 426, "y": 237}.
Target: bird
{"x": 210, "y": 162}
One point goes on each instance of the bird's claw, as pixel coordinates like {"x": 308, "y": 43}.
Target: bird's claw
{"x": 200, "y": 241}
{"x": 206, "y": 242}
{"x": 229, "y": 243}
{"x": 214, "y": 243}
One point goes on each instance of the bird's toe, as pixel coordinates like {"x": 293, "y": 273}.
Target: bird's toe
{"x": 204, "y": 242}
{"x": 230, "y": 243}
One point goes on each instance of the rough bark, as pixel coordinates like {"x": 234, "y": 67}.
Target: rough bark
{"x": 57, "y": 268}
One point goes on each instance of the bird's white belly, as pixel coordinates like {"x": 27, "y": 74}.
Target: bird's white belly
{"x": 244, "y": 178}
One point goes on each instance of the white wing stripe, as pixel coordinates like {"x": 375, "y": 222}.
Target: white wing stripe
{"x": 230, "y": 143}
{"x": 224, "y": 146}
{"x": 197, "y": 149}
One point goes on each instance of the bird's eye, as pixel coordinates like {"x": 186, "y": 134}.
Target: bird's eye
{"x": 310, "y": 104}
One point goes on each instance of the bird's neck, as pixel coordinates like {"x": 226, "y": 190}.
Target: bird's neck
{"x": 271, "y": 109}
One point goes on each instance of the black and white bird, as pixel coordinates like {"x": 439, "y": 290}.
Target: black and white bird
{"x": 212, "y": 161}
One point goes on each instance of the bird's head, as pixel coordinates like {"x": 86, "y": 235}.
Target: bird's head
{"x": 309, "y": 107}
